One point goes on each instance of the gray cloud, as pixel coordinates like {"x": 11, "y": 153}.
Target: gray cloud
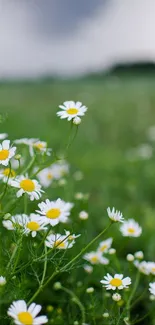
{"x": 62, "y": 17}
{"x": 124, "y": 31}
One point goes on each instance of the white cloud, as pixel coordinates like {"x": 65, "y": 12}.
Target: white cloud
{"x": 125, "y": 31}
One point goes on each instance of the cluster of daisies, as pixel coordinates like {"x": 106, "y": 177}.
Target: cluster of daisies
{"x": 50, "y": 213}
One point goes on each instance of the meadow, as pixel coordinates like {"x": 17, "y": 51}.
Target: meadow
{"x": 120, "y": 112}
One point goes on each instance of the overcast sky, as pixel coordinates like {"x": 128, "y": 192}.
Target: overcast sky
{"x": 66, "y": 37}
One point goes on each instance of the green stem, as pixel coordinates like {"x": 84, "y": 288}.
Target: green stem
{"x": 71, "y": 139}
{"x": 86, "y": 247}
{"x": 25, "y": 203}
{"x": 6, "y": 185}
{"x": 44, "y": 237}
{"x": 41, "y": 287}
{"x": 45, "y": 267}
{"x": 64, "y": 268}
{"x": 132, "y": 293}
{"x": 29, "y": 165}
{"x": 77, "y": 301}
{"x": 12, "y": 256}
{"x": 18, "y": 255}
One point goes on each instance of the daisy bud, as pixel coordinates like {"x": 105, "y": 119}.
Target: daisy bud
{"x": 120, "y": 303}
{"x": 76, "y": 323}
{"x": 79, "y": 196}
{"x": 88, "y": 268}
{"x": 62, "y": 182}
{"x": 50, "y": 308}
{"x": 57, "y": 286}
{"x": 18, "y": 157}
{"x": 105, "y": 315}
{"x": 2, "y": 280}
{"x": 90, "y": 290}
{"x": 112, "y": 251}
{"x": 83, "y": 215}
{"x": 139, "y": 255}
{"x": 116, "y": 297}
{"x": 76, "y": 120}
{"x": 130, "y": 258}
{"x": 7, "y": 216}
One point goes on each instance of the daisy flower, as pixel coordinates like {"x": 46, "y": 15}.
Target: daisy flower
{"x": 71, "y": 236}
{"x": 60, "y": 169}
{"x": 59, "y": 241}
{"x": 27, "y": 141}
{"x": 46, "y": 177}
{"x": 152, "y": 288}
{"x": 33, "y": 224}
{"x": 116, "y": 282}
{"x": 53, "y": 212}
{"x": 54, "y": 172}
{"x": 139, "y": 255}
{"x": 105, "y": 245}
{"x": 28, "y": 224}
{"x": 3, "y": 136}
{"x": 6, "y": 152}
{"x": 8, "y": 224}
{"x": 142, "y": 267}
{"x": 7, "y": 173}
{"x": 15, "y": 222}
{"x": 34, "y": 143}
{"x": 71, "y": 109}
{"x": 131, "y": 228}
{"x": 24, "y": 315}
{"x": 27, "y": 185}
{"x": 2, "y": 280}
{"x": 41, "y": 146}
{"x": 115, "y": 215}
{"x": 96, "y": 258}
{"x": 151, "y": 267}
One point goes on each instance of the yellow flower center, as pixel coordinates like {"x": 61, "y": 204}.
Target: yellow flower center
{"x": 27, "y": 185}
{"x": 53, "y": 213}
{"x": 116, "y": 282}
{"x": 49, "y": 176}
{"x": 9, "y": 172}
{"x": 4, "y": 154}
{"x": 131, "y": 230}
{"x": 153, "y": 269}
{"x": 25, "y": 318}
{"x": 72, "y": 111}
{"x": 103, "y": 248}
{"x": 32, "y": 225}
{"x": 39, "y": 145}
{"x": 94, "y": 259}
{"x": 59, "y": 244}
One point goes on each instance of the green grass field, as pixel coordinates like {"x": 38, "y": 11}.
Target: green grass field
{"x": 120, "y": 110}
